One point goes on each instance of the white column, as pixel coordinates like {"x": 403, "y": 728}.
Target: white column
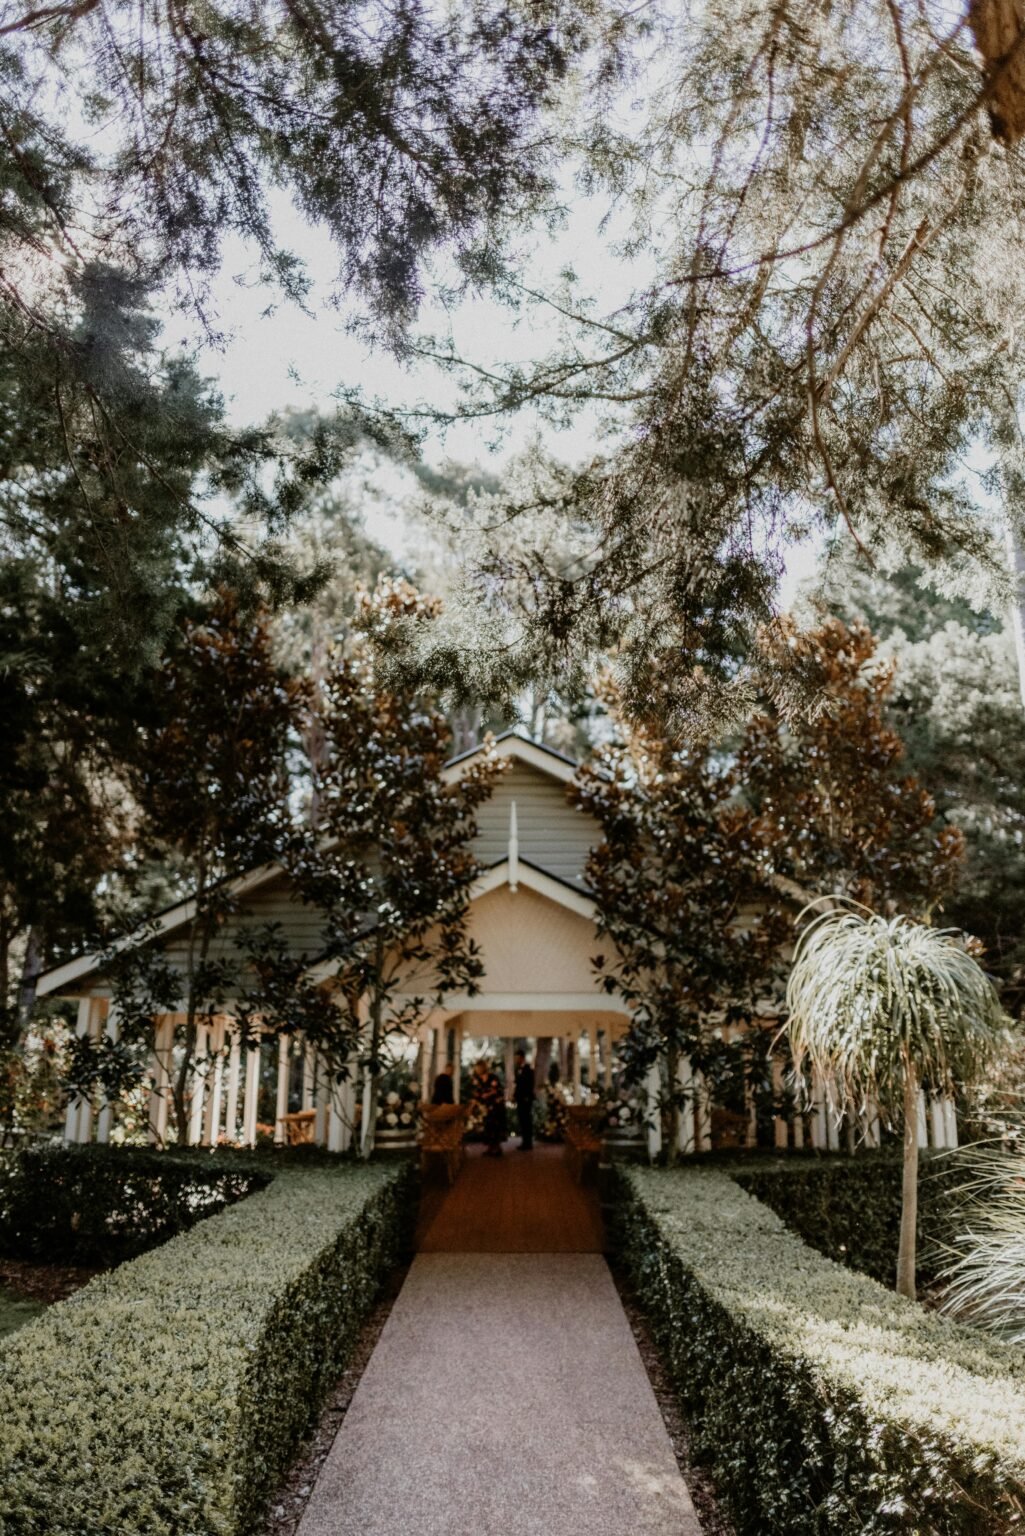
{"x": 819, "y": 1118}
{"x": 281, "y": 1101}
{"x": 578, "y": 1036}
{"x": 366, "y": 1122}
{"x": 160, "y": 1071}
{"x": 234, "y": 1075}
{"x": 608, "y": 1060}
{"x": 339, "y": 1123}
{"x": 322, "y": 1103}
{"x": 215, "y": 1095}
{"x": 83, "y": 1029}
{"x": 685, "y": 1084}
{"x": 652, "y": 1084}
{"x": 106, "y": 1119}
{"x": 592, "y": 1059}
{"x": 457, "y": 1063}
{"x": 250, "y": 1102}
{"x": 937, "y": 1124}
{"x": 426, "y": 1054}
{"x": 702, "y": 1115}
{"x": 309, "y": 1075}
{"x": 200, "y": 1065}
{"x": 832, "y": 1123}
{"x": 779, "y": 1122}
{"x": 950, "y": 1122}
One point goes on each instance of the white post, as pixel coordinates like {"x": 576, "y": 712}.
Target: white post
{"x": 950, "y": 1122}
{"x": 426, "y": 1053}
{"x": 685, "y": 1085}
{"x": 652, "y": 1085}
{"x": 592, "y": 1060}
{"x": 160, "y": 1069}
{"x": 702, "y": 1115}
{"x": 281, "y": 1100}
{"x": 832, "y": 1122}
{"x": 937, "y": 1124}
{"x": 199, "y": 1086}
{"x": 339, "y": 1122}
{"x": 366, "y": 1127}
{"x": 234, "y": 1074}
{"x": 106, "y": 1118}
{"x": 457, "y": 1063}
{"x": 779, "y": 1123}
{"x": 309, "y": 1075}
{"x": 608, "y": 1061}
{"x": 576, "y": 1065}
{"x": 819, "y": 1117}
{"x": 322, "y": 1103}
{"x": 215, "y": 1097}
{"x": 250, "y": 1103}
{"x": 83, "y": 1028}
{"x": 86, "y": 1105}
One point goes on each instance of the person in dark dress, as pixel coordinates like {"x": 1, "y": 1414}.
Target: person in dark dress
{"x": 487, "y": 1091}
{"x": 524, "y": 1095}
{"x": 443, "y": 1086}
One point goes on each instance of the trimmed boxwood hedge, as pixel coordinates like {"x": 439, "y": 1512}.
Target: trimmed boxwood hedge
{"x": 849, "y": 1207}
{"x": 98, "y": 1206}
{"x": 166, "y": 1398}
{"x": 822, "y": 1402}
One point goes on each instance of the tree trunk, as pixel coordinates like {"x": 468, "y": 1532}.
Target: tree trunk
{"x": 909, "y": 1192}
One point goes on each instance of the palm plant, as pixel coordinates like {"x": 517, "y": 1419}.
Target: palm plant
{"x": 987, "y": 1281}
{"x": 879, "y": 1006}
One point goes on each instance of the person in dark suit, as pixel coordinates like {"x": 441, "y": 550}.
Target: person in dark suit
{"x": 524, "y": 1096}
{"x": 443, "y": 1086}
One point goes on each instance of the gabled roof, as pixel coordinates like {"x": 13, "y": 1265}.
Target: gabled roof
{"x": 510, "y": 744}
{"x": 521, "y": 748}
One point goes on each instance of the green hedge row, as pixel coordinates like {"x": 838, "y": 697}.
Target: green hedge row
{"x": 98, "y": 1206}
{"x": 166, "y": 1398}
{"x": 849, "y": 1207}
{"x": 822, "y": 1402}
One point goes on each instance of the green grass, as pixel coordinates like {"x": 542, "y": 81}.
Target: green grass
{"x": 15, "y": 1311}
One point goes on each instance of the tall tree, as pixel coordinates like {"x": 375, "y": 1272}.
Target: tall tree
{"x": 682, "y": 900}
{"x": 389, "y": 862}
{"x": 833, "y": 799}
{"x": 827, "y": 214}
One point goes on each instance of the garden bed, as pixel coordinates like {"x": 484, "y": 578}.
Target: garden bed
{"x": 820, "y": 1400}
{"x": 166, "y": 1398}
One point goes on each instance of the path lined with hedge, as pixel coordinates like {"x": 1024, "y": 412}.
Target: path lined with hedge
{"x": 506, "y": 1394}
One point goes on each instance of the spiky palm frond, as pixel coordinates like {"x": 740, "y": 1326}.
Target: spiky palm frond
{"x": 868, "y": 994}
{"x": 987, "y": 1277}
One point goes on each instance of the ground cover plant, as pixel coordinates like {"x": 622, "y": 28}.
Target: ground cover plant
{"x": 821, "y": 1401}
{"x": 166, "y": 1397}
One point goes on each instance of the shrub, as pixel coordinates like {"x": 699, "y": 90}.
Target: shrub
{"x": 166, "y": 1398}
{"x": 105, "y": 1205}
{"x": 849, "y": 1207}
{"x": 823, "y": 1402}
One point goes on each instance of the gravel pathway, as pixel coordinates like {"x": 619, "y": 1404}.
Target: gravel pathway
{"x": 506, "y": 1397}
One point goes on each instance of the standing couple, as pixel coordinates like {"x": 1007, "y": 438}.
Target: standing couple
{"x": 487, "y": 1091}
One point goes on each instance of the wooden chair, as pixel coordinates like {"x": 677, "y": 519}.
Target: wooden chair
{"x": 299, "y": 1127}
{"x": 441, "y": 1135}
{"x": 582, "y": 1138}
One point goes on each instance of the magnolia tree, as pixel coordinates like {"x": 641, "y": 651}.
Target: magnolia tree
{"x": 881, "y": 1006}
{"x": 388, "y": 861}
{"x": 682, "y": 901}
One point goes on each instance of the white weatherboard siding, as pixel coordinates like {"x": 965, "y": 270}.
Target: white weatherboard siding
{"x": 550, "y": 833}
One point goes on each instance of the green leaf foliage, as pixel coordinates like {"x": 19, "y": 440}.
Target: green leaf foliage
{"x": 166, "y": 1398}
{"x": 822, "y": 1402}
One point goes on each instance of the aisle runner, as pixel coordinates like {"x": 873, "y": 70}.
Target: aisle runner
{"x": 506, "y": 1397}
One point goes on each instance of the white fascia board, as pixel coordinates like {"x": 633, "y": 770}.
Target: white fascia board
{"x": 51, "y": 983}
{"x": 531, "y": 1002}
{"x": 535, "y": 880}
{"x": 522, "y": 749}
